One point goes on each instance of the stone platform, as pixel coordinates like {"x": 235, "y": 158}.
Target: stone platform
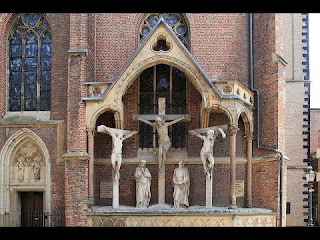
{"x": 167, "y": 216}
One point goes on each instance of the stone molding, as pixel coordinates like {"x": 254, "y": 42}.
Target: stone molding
{"x": 218, "y": 220}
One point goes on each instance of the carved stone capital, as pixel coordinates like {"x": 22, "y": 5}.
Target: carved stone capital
{"x": 233, "y": 129}
{"x": 249, "y": 136}
{"x": 91, "y": 130}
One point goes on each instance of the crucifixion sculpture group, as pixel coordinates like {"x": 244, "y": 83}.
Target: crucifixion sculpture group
{"x": 208, "y": 135}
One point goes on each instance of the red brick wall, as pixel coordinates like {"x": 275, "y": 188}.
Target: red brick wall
{"x": 60, "y": 28}
{"x": 314, "y": 130}
{"x": 219, "y": 42}
{"x": 268, "y": 75}
{"x": 265, "y": 184}
{"x": 194, "y": 144}
{"x": 76, "y": 192}
{"x": 130, "y": 102}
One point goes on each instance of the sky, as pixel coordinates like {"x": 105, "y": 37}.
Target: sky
{"x": 314, "y": 61}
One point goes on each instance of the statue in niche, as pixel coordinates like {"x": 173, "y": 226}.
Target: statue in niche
{"x": 163, "y": 137}
{"x": 206, "y": 153}
{"x": 20, "y": 170}
{"x": 36, "y": 170}
{"x": 118, "y": 136}
{"x": 181, "y": 182}
{"x": 143, "y": 182}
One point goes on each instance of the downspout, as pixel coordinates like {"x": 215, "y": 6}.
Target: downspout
{"x": 256, "y": 91}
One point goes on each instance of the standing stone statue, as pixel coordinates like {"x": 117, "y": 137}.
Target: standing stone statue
{"x": 118, "y": 136}
{"x": 36, "y": 170}
{"x": 163, "y": 140}
{"x": 206, "y": 153}
{"x": 143, "y": 181}
{"x": 20, "y": 170}
{"x": 181, "y": 182}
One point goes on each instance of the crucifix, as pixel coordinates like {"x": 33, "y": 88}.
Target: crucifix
{"x": 161, "y": 125}
{"x": 208, "y": 135}
{"x": 118, "y": 136}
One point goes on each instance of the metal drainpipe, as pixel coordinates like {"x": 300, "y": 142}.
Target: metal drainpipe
{"x": 256, "y": 91}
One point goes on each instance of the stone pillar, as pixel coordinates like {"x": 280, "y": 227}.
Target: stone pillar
{"x": 161, "y": 187}
{"x": 91, "y": 133}
{"x": 233, "y": 139}
{"x": 249, "y": 138}
{"x": 209, "y": 190}
{"x": 76, "y": 188}
{"x": 115, "y": 191}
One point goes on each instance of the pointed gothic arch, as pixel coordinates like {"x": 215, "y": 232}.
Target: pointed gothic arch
{"x": 16, "y": 148}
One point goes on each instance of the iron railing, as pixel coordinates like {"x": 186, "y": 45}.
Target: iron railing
{"x": 38, "y": 218}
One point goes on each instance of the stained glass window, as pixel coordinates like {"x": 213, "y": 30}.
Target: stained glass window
{"x": 29, "y": 63}
{"x": 175, "y": 20}
{"x": 162, "y": 81}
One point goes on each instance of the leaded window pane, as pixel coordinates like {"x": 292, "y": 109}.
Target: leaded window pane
{"x": 15, "y": 50}
{"x": 16, "y": 64}
{"x": 176, "y": 20}
{"x": 162, "y": 81}
{"x": 45, "y": 64}
{"x": 15, "y": 104}
{"x": 30, "y": 39}
{"x": 31, "y": 19}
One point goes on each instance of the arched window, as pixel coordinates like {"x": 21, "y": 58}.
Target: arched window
{"x": 177, "y": 22}
{"x": 29, "y": 64}
{"x": 162, "y": 81}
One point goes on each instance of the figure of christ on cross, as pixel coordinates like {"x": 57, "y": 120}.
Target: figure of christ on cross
{"x": 163, "y": 140}
{"x": 118, "y": 136}
{"x": 206, "y": 153}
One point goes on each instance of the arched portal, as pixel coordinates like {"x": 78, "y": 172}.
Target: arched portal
{"x": 24, "y": 167}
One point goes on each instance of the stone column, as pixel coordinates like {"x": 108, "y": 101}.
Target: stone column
{"x": 115, "y": 191}
{"x": 209, "y": 190}
{"x": 233, "y": 139}
{"x": 91, "y": 133}
{"x": 161, "y": 187}
{"x": 249, "y": 138}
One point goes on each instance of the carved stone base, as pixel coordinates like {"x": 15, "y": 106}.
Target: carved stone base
{"x": 217, "y": 217}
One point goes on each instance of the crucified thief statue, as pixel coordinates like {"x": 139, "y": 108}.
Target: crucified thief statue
{"x": 163, "y": 140}
{"x": 118, "y": 136}
{"x": 206, "y": 153}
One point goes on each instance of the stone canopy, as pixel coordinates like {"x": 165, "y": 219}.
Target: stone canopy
{"x": 229, "y": 97}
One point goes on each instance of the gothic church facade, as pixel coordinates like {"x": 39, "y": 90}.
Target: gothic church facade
{"x": 62, "y": 75}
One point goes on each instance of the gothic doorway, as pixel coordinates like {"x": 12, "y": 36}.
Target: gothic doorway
{"x": 31, "y": 202}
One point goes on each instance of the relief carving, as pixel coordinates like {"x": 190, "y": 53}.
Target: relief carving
{"x": 27, "y": 163}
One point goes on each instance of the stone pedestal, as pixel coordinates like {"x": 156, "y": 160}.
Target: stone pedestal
{"x": 209, "y": 191}
{"x": 115, "y": 191}
{"x": 161, "y": 188}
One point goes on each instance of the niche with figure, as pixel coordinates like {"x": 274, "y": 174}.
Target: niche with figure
{"x": 28, "y": 163}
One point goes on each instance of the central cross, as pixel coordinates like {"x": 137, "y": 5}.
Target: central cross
{"x": 161, "y": 125}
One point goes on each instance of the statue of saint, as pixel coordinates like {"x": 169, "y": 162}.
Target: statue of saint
{"x": 206, "y": 153}
{"x": 20, "y": 170}
{"x": 36, "y": 170}
{"x": 118, "y": 136}
{"x": 163, "y": 137}
{"x": 143, "y": 181}
{"x": 181, "y": 182}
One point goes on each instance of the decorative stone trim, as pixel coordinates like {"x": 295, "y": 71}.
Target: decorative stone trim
{"x": 78, "y": 52}
{"x": 76, "y": 156}
{"x": 219, "y": 220}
